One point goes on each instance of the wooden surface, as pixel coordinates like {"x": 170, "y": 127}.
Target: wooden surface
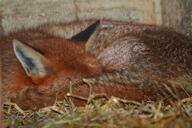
{"x": 178, "y": 14}
{"x": 22, "y": 14}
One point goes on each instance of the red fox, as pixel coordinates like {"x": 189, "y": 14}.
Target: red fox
{"x": 131, "y": 61}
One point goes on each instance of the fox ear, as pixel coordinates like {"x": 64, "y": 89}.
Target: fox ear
{"x": 34, "y": 64}
{"x": 91, "y": 42}
{"x": 85, "y": 34}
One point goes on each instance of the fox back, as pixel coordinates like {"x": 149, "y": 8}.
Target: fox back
{"x": 155, "y": 59}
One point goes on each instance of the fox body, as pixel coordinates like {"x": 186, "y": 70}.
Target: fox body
{"x": 131, "y": 61}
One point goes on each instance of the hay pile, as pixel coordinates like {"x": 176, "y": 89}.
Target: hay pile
{"x": 102, "y": 113}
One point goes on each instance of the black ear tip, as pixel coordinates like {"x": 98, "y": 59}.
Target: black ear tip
{"x": 96, "y": 23}
{"x": 85, "y": 34}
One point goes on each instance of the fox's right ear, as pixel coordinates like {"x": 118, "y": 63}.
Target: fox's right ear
{"x": 91, "y": 42}
{"x": 86, "y": 34}
{"x": 34, "y": 63}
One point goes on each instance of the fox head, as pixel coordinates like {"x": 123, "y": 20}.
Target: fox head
{"x": 44, "y": 63}
{"x": 36, "y": 65}
{"x": 54, "y": 57}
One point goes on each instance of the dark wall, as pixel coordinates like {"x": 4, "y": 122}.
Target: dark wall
{"x": 186, "y": 22}
{"x": 178, "y": 14}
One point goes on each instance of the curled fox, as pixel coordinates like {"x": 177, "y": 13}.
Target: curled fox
{"x": 130, "y": 61}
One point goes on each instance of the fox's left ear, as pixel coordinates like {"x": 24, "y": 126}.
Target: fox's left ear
{"x": 35, "y": 64}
